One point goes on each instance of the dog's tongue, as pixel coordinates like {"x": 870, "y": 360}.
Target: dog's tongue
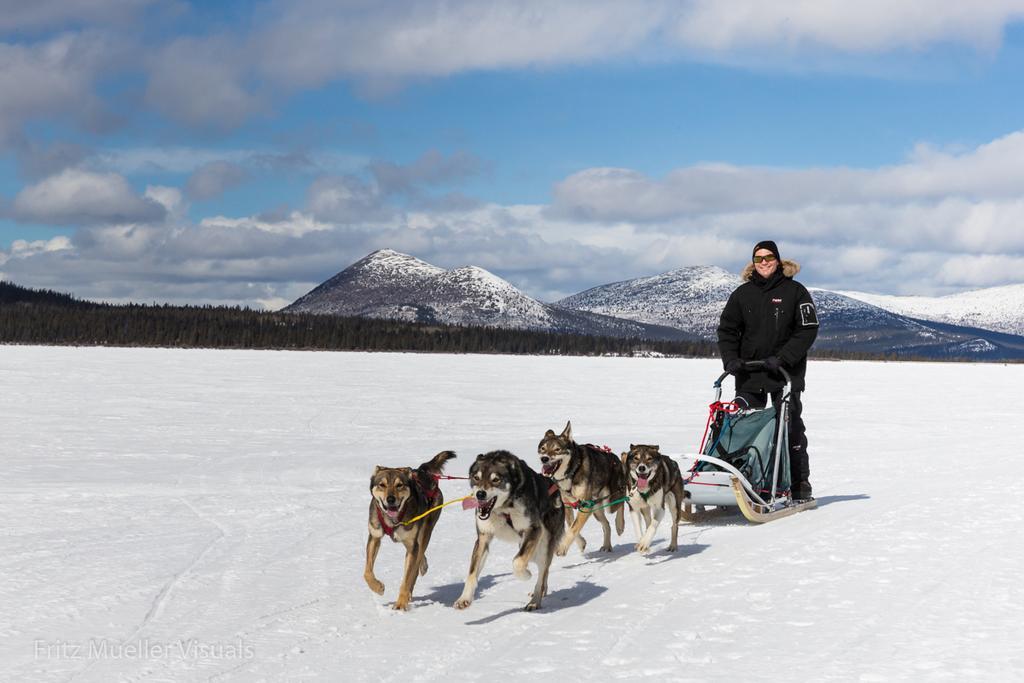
{"x": 470, "y": 503}
{"x": 641, "y": 483}
{"x": 393, "y": 514}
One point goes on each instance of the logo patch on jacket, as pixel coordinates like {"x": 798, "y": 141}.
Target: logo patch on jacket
{"x": 776, "y": 301}
{"x": 808, "y": 316}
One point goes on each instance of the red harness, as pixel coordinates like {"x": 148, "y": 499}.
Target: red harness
{"x": 389, "y": 530}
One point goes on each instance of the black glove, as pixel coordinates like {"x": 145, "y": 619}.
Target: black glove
{"x": 734, "y": 366}
{"x": 772, "y": 363}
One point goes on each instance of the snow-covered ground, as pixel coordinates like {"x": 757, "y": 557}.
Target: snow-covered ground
{"x": 201, "y": 515}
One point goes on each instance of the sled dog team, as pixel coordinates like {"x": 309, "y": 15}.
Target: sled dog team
{"x": 515, "y": 503}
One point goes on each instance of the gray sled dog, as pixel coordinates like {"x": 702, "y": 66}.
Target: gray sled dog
{"x": 513, "y": 503}
{"x": 400, "y": 494}
{"x": 655, "y": 484}
{"x": 584, "y": 473}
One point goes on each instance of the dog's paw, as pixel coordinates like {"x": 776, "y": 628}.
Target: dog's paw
{"x": 463, "y": 603}
{"x": 532, "y": 606}
{"x": 582, "y": 543}
{"x": 642, "y": 547}
{"x": 673, "y": 547}
{"x": 402, "y": 604}
{"x": 606, "y": 548}
{"x": 375, "y": 585}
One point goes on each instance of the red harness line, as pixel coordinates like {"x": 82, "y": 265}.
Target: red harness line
{"x": 729, "y": 407}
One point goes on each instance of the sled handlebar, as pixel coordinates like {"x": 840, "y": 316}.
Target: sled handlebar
{"x": 754, "y": 365}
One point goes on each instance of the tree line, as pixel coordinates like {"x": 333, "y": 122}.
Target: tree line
{"x": 39, "y": 316}
{"x": 46, "y": 317}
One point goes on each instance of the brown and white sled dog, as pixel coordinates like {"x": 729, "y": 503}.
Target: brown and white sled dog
{"x": 401, "y": 494}
{"x": 513, "y": 503}
{"x": 584, "y": 473}
{"x": 655, "y": 485}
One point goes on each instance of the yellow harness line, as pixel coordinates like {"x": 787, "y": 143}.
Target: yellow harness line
{"x": 436, "y": 507}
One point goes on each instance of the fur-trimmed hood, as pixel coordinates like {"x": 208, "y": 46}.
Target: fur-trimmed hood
{"x": 789, "y": 269}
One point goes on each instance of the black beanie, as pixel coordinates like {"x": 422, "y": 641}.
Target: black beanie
{"x": 770, "y": 246}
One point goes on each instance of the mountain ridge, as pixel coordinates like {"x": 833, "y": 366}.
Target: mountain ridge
{"x": 684, "y": 302}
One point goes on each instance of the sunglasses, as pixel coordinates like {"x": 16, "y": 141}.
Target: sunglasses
{"x": 767, "y": 257}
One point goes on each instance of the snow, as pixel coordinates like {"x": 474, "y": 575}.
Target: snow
{"x": 688, "y": 298}
{"x": 389, "y": 264}
{"x": 1000, "y": 309}
{"x": 201, "y": 515}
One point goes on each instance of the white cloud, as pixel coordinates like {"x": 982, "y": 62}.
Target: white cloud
{"x": 984, "y": 270}
{"x": 23, "y": 15}
{"x": 76, "y": 197}
{"x": 296, "y": 224}
{"x": 213, "y": 179}
{"x": 991, "y": 171}
{"x": 24, "y": 248}
{"x": 865, "y": 26}
{"x": 52, "y": 79}
{"x": 345, "y": 199}
{"x": 220, "y": 79}
{"x": 312, "y": 42}
{"x": 942, "y": 220}
{"x": 202, "y": 82}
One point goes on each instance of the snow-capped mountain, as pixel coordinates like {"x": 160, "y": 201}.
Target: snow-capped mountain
{"x": 1000, "y": 309}
{"x": 681, "y": 304}
{"x": 389, "y": 284}
{"x": 692, "y": 299}
{"x": 689, "y": 299}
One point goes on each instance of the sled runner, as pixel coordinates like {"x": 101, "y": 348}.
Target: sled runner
{"x": 744, "y": 460}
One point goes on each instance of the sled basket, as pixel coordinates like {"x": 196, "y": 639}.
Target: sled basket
{"x": 750, "y": 441}
{"x": 744, "y": 458}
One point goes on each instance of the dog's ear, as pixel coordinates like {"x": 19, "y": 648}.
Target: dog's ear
{"x": 567, "y": 432}
{"x": 625, "y": 457}
{"x": 632, "y": 446}
{"x": 657, "y": 448}
{"x": 548, "y": 434}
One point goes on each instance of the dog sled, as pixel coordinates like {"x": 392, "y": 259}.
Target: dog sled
{"x": 744, "y": 460}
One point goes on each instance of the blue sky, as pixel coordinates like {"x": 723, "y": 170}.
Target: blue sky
{"x": 240, "y": 153}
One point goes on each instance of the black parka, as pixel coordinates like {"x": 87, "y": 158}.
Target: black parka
{"x": 773, "y": 317}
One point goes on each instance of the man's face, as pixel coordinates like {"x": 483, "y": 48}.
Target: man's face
{"x": 765, "y": 267}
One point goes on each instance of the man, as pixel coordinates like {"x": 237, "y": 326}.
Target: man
{"x": 771, "y": 318}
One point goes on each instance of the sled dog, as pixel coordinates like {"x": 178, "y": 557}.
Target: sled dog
{"x": 655, "y": 484}
{"x": 589, "y": 478}
{"x": 400, "y": 494}
{"x": 513, "y": 503}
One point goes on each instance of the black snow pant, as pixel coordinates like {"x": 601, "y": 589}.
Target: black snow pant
{"x": 799, "y": 464}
